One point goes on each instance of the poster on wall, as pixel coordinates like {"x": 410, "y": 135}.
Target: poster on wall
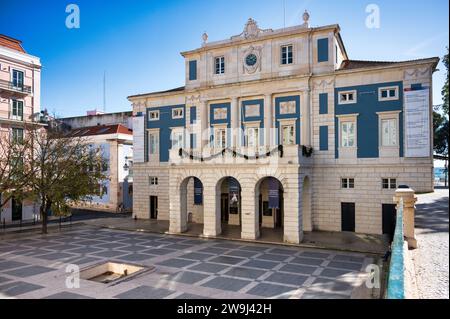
{"x": 138, "y": 139}
{"x": 233, "y": 191}
{"x": 274, "y": 193}
{"x": 417, "y": 123}
{"x": 198, "y": 192}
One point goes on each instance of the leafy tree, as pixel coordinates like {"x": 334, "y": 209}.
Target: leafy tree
{"x": 66, "y": 170}
{"x": 440, "y": 123}
{"x": 445, "y": 93}
{"x": 15, "y": 154}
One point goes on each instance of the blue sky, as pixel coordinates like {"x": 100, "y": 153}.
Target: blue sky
{"x": 138, "y": 42}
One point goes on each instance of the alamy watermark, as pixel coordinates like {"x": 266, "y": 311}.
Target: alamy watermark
{"x": 373, "y": 19}
{"x": 73, "y": 276}
{"x": 373, "y": 278}
{"x": 73, "y": 19}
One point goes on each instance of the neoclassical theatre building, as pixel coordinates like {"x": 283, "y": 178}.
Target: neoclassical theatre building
{"x": 280, "y": 132}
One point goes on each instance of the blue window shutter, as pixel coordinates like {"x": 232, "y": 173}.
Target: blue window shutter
{"x": 193, "y": 115}
{"x": 323, "y": 137}
{"x": 322, "y": 50}
{"x": 323, "y": 103}
{"x": 192, "y": 70}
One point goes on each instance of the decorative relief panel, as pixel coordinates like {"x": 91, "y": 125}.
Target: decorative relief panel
{"x": 323, "y": 84}
{"x": 220, "y": 113}
{"x": 416, "y": 73}
{"x": 288, "y": 107}
{"x": 252, "y": 110}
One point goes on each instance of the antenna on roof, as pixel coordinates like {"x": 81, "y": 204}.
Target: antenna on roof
{"x": 284, "y": 13}
{"x": 104, "y": 91}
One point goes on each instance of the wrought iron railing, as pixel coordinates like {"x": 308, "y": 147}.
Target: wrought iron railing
{"x": 11, "y": 86}
{"x": 396, "y": 279}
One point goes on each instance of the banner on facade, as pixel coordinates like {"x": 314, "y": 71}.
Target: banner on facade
{"x": 417, "y": 123}
{"x": 233, "y": 191}
{"x": 138, "y": 139}
{"x": 274, "y": 193}
{"x": 198, "y": 192}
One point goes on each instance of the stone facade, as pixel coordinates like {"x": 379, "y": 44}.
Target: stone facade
{"x": 301, "y": 108}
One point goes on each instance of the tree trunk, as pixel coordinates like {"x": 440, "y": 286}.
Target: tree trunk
{"x": 45, "y": 207}
{"x": 44, "y": 218}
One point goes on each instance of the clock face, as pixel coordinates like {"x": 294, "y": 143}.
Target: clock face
{"x": 251, "y": 59}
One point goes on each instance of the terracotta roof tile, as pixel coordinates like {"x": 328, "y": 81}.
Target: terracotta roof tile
{"x": 11, "y": 43}
{"x": 100, "y": 130}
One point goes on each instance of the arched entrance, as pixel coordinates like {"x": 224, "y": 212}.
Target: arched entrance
{"x": 269, "y": 196}
{"x": 191, "y": 202}
{"x": 306, "y": 205}
{"x": 228, "y": 206}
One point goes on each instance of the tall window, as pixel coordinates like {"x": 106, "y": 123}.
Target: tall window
{"x": 252, "y": 136}
{"x": 389, "y": 132}
{"x": 177, "y": 140}
{"x": 220, "y": 65}
{"x": 17, "y": 135}
{"x": 17, "y": 78}
{"x": 220, "y": 138}
{"x": 288, "y": 134}
{"x": 348, "y": 134}
{"x": 17, "y": 110}
{"x": 193, "y": 142}
{"x": 153, "y": 143}
{"x": 287, "y": 54}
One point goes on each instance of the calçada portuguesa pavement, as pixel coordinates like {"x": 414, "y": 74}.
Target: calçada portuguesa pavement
{"x": 184, "y": 268}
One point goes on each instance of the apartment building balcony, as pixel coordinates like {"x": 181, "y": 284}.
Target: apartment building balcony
{"x": 9, "y": 89}
{"x": 262, "y": 155}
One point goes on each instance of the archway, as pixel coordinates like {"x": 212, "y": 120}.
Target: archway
{"x": 228, "y": 206}
{"x": 269, "y": 197}
{"x": 191, "y": 203}
{"x": 306, "y": 205}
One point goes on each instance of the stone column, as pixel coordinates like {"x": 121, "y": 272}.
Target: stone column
{"x": 305, "y": 120}
{"x": 211, "y": 212}
{"x": 203, "y": 123}
{"x": 114, "y": 191}
{"x": 268, "y": 116}
{"x": 293, "y": 210}
{"x": 409, "y": 201}
{"x": 234, "y": 121}
{"x": 249, "y": 219}
{"x": 177, "y": 208}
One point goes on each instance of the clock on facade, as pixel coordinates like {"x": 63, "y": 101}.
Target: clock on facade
{"x": 251, "y": 59}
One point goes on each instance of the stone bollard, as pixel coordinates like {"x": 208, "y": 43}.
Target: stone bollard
{"x": 409, "y": 201}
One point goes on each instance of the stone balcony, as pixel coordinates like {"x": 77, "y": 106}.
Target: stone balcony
{"x": 263, "y": 155}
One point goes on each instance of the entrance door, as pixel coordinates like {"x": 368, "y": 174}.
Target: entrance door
{"x": 389, "y": 220}
{"x": 16, "y": 210}
{"x": 224, "y": 209}
{"x": 348, "y": 217}
{"x": 153, "y": 207}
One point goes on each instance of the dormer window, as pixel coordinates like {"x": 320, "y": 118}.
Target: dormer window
{"x": 347, "y": 97}
{"x": 220, "y": 65}
{"x": 287, "y": 55}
